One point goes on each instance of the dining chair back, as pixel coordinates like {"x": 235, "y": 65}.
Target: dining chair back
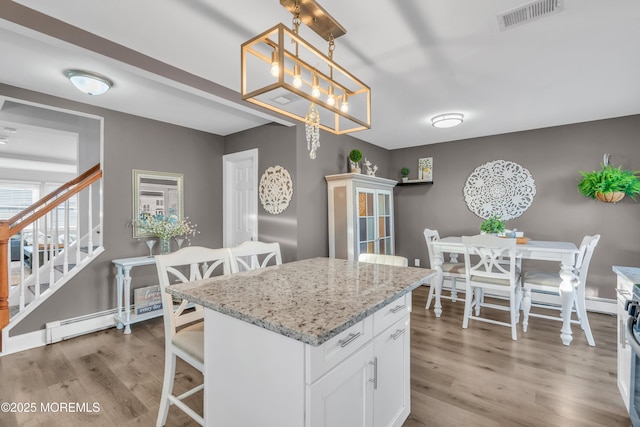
{"x": 451, "y": 270}
{"x": 252, "y": 255}
{"x": 548, "y": 284}
{"x": 183, "y": 321}
{"x": 491, "y": 269}
{"x": 384, "y": 259}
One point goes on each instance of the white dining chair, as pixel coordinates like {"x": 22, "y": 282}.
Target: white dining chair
{"x": 399, "y": 261}
{"x": 451, "y": 271}
{"x": 491, "y": 269}
{"x": 252, "y": 255}
{"x": 183, "y": 323}
{"x": 548, "y": 284}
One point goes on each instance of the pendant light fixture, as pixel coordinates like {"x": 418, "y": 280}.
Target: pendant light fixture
{"x": 283, "y": 72}
{"x": 89, "y": 83}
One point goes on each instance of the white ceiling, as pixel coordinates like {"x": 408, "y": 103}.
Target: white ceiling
{"x": 420, "y": 58}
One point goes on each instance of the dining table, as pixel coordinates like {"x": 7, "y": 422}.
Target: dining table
{"x": 562, "y": 252}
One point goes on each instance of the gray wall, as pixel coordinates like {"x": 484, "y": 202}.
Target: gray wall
{"x": 301, "y": 229}
{"x": 331, "y": 158}
{"x": 276, "y": 146}
{"x": 132, "y": 142}
{"x": 554, "y": 156}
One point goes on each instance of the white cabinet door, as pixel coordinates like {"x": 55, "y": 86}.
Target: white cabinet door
{"x": 624, "y": 352}
{"x": 392, "y": 389}
{"x": 343, "y": 397}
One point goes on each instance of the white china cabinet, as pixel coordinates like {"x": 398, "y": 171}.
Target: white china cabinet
{"x": 360, "y": 215}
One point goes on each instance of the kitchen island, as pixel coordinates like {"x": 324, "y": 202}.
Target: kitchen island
{"x": 317, "y": 342}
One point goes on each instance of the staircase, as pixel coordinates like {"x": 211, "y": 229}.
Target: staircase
{"x": 55, "y": 238}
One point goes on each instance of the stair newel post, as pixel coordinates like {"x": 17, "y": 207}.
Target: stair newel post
{"x": 4, "y": 277}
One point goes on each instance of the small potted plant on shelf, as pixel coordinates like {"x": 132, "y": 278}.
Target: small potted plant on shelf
{"x": 405, "y": 173}
{"x": 354, "y": 160}
{"x": 492, "y": 225}
{"x": 609, "y": 184}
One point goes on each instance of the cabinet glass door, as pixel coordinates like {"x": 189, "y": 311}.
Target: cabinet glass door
{"x": 375, "y": 222}
{"x": 366, "y": 221}
{"x": 383, "y": 210}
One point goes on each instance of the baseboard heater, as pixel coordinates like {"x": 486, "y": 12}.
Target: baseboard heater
{"x": 70, "y": 328}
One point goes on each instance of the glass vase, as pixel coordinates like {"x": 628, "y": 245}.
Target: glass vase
{"x": 165, "y": 246}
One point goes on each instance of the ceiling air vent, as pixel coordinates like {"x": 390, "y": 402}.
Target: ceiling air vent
{"x": 529, "y": 12}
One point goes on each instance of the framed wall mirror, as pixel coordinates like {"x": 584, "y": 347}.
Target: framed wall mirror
{"x": 156, "y": 193}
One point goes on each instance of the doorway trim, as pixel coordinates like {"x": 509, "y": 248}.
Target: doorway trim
{"x": 228, "y": 188}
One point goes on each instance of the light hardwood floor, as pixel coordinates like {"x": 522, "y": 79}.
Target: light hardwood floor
{"x": 473, "y": 377}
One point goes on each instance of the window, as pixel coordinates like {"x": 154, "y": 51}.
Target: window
{"x": 16, "y": 196}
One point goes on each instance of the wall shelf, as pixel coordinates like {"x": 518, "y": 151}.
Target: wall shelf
{"x": 414, "y": 182}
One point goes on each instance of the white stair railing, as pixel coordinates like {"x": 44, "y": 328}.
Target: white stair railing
{"x": 52, "y": 249}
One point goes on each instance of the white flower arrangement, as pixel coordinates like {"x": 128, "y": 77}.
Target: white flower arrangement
{"x": 165, "y": 227}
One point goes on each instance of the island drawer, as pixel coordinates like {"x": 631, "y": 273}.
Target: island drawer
{"x": 324, "y": 357}
{"x": 390, "y": 314}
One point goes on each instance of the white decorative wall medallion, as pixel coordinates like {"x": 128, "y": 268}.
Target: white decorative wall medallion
{"x": 276, "y": 189}
{"x": 501, "y": 188}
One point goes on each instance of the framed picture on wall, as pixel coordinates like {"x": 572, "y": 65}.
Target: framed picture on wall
{"x": 425, "y": 169}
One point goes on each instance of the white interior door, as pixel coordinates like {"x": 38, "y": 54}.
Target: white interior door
{"x": 240, "y": 193}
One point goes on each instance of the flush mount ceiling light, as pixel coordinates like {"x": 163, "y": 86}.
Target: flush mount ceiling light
{"x": 280, "y": 63}
{"x": 448, "y": 120}
{"x": 89, "y": 83}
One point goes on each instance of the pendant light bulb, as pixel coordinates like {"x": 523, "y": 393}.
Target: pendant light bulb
{"x": 344, "y": 106}
{"x": 331, "y": 99}
{"x": 315, "y": 87}
{"x": 297, "y": 77}
{"x": 275, "y": 68}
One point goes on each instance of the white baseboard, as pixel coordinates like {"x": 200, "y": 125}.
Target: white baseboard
{"x": 602, "y": 305}
{"x": 58, "y": 331}
{"x": 23, "y": 342}
{"x": 69, "y": 328}
{"x": 594, "y": 304}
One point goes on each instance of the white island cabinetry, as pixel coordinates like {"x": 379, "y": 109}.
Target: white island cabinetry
{"x": 370, "y": 387}
{"x": 626, "y": 277}
{"x": 326, "y": 356}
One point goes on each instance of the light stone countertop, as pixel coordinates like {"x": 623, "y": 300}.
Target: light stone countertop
{"x": 632, "y": 274}
{"x": 310, "y": 300}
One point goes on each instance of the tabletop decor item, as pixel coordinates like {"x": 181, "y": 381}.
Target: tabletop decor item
{"x": 499, "y": 188}
{"x": 164, "y": 228}
{"x": 276, "y": 190}
{"x": 354, "y": 160}
{"x": 492, "y": 225}
{"x": 405, "y": 173}
{"x": 609, "y": 184}
{"x": 370, "y": 170}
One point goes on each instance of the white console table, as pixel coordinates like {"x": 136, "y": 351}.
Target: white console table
{"x": 124, "y": 318}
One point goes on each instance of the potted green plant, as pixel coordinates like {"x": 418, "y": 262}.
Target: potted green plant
{"x": 609, "y": 184}
{"x": 492, "y": 225}
{"x": 354, "y": 160}
{"x": 405, "y": 173}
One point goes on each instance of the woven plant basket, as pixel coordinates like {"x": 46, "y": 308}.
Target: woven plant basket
{"x": 613, "y": 197}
